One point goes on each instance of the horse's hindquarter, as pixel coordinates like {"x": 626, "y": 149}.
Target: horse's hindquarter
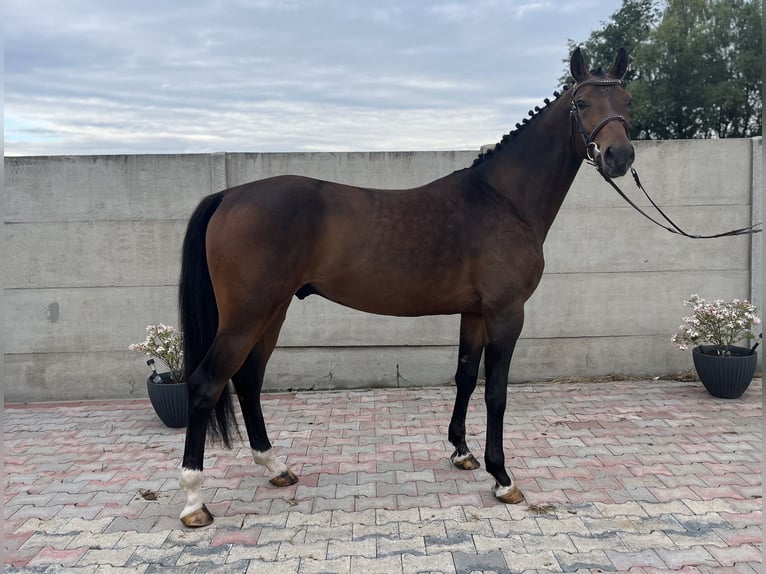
{"x": 424, "y": 251}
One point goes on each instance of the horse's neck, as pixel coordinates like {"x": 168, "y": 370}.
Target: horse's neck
{"x": 536, "y": 168}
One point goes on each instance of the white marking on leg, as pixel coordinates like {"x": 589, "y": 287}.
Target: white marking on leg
{"x": 458, "y": 458}
{"x": 191, "y": 482}
{"x": 500, "y": 491}
{"x": 268, "y": 459}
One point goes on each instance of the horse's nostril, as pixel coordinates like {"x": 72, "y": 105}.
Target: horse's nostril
{"x": 620, "y": 156}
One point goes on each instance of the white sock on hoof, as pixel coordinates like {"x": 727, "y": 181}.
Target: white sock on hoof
{"x": 191, "y": 482}
{"x": 460, "y": 457}
{"x": 500, "y": 491}
{"x": 268, "y": 459}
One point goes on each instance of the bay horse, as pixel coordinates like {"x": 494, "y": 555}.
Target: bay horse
{"x": 468, "y": 243}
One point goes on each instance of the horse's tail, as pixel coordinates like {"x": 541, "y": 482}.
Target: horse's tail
{"x": 198, "y": 314}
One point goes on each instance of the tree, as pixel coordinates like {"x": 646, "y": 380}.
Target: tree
{"x": 696, "y": 69}
{"x": 629, "y": 27}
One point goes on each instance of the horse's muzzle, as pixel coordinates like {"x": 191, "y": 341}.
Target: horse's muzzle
{"x": 615, "y": 160}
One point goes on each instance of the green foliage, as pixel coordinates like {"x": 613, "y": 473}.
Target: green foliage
{"x": 696, "y": 66}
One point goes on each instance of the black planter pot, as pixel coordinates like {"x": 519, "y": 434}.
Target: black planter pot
{"x": 170, "y": 401}
{"x": 725, "y": 377}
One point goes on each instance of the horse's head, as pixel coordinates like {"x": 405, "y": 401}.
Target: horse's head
{"x": 600, "y": 115}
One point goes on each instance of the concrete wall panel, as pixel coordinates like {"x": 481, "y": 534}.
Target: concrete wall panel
{"x": 121, "y": 374}
{"x": 94, "y": 253}
{"x": 565, "y": 305}
{"x": 83, "y": 320}
{"x": 619, "y": 239}
{"x": 389, "y": 170}
{"x": 88, "y": 188}
{"x": 93, "y": 256}
{"x": 675, "y": 173}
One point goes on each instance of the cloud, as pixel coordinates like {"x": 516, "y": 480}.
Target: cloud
{"x": 262, "y": 75}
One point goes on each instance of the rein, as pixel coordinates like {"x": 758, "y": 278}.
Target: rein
{"x": 672, "y": 227}
{"x": 592, "y": 152}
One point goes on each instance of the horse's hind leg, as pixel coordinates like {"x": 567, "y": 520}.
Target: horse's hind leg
{"x": 206, "y": 385}
{"x": 248, "y": 381}
{"x": 472, "y": 337}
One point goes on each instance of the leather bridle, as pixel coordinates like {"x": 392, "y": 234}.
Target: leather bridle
{"x": 592, "y": 150}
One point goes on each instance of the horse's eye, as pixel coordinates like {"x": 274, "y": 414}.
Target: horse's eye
{"x": 630, "y": 104}
{"x": 581, "y": 105}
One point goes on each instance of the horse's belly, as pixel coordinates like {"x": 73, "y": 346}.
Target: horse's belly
{"x": 392, "y": 297}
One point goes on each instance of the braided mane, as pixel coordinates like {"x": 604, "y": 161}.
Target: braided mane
{"x": 509, "y": 137}
{"x": 598, "y": 72}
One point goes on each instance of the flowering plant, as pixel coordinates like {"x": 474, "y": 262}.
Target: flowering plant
{"x": 166, "y": 344}
{"x": 718, "y": 323}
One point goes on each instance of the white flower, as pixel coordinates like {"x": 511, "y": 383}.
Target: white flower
{"x": 166, "y": 344}
{"x": 718, "y": 323}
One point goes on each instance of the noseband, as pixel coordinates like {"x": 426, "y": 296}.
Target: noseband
{"x": 592, "y": 150}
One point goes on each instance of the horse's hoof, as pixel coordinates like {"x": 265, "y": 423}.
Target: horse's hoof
{"x": 198, "y": 518}
{"x": 508, "y": 494}
{"x": 285, "y": 479}
{"x": 465, "y": 461}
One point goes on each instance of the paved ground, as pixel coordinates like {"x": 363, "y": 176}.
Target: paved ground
{"x": 626, "y": 476}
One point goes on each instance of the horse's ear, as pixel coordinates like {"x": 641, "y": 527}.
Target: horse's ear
{"x": 620, "y": 65}
{"x": 577, "y": 66}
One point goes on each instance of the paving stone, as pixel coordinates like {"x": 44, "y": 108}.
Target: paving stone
{"x": 587, "y": 544}
{"x": 640, "y": 485}
{"x": 335, "y": 566}
{"x": 57, "y": 557}
{"x": 486, "y": 544}
{"x": 441, "y": 563}
{"x": 631, "y": 508}
{"x": 135, "y": 539}
{"x": 675, "y": 558}
{"x": 624, "y": 561}
{"x": 639, "y": 541}
{"x": 364, "y": 547}
{"x": 544, "y": 561}
{"x": 731, "y": 556}
{"x": 265, "y": 554}
{"x": 313, "y": 550}
{"x": 493, "y": 562}
{"x": 213, "y": 568}
{"x": 112, "y": 557}
{"x": 458, "y": 543}
{"x": 389, "y": 546}
{"x": 209, "y": 555}
{"x": 385, "y": 565}
{"x": 333, "y": 533}
{"x": 411, "y": 515}
{"x": 324, "y": 504}
{"x": 590, "y": 561}
{"x": 283, "y": 566}
{"x": 553, "y": 525}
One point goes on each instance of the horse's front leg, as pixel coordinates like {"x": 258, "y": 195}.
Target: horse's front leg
{"x": 472, "y": 337}
{"x": 503, "y": 331}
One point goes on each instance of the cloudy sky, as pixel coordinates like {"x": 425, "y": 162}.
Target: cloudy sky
{"x": 170, "y": 76}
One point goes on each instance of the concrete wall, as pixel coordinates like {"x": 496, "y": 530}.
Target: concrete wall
{"x": 93, "y": 256}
